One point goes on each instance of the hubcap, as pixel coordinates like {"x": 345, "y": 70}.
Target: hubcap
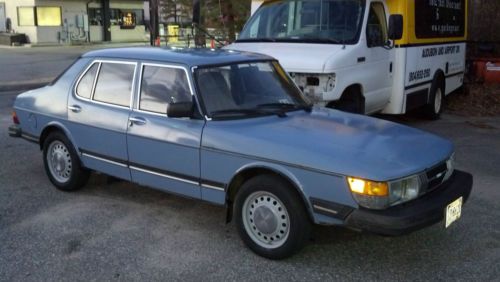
{"x": 266, "y": 219}
{"x": 59, "y": 161}
{"x": 437, "y": 101}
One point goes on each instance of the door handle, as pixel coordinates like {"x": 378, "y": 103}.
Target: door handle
{"x": 136, "y": 120}
{"x": 75, "y": 108}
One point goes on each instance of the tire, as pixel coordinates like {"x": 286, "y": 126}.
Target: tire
{"x": 271, "y": 218}
{"x": 434, "y": 108}
{"x": 62, "y": 164}
{"x": 351, "y": 101}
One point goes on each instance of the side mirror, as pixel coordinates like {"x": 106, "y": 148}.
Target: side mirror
{"x": 180, "y": 109}
{"x": 395, "y": 27}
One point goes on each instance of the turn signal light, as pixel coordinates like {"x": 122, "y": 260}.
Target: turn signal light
{"x": 14, "y": 118}
{"x": 367, "y": 187}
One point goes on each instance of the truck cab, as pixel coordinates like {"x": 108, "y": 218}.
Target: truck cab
{"x": 344, "y": 53}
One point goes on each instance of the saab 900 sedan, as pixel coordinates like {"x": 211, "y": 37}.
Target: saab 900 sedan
{"x": 231, "y": 128}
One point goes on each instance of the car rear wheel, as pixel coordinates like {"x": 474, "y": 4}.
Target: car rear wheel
{"x": 271, "y": 218}
{"x": 62, "y": 164}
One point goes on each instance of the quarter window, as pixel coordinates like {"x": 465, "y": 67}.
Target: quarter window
{"x": 84, "y": 88}
{"x": 163, "y": 85}
{"x": 114, "y": 84}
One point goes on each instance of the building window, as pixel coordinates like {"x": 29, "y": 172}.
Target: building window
{"x": 132, "y": 17}
{"x": 96, "y": 16}
{"x": 127, "y": 20}
{"x": 25, "y": 16}
{"x": 48, "y": 16}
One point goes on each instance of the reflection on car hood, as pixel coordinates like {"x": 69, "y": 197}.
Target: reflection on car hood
{"x": 291, "y": 57}
{"x": 331, "y": 141}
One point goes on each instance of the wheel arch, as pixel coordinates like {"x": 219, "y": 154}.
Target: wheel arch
{"x": 358, "y": 87}
{"x": 53, "y": 127}
{"x": 440, "y": 78}
{"x": 247, "y": 172}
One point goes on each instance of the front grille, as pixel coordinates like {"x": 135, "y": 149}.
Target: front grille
{"x": 435, "y": 175}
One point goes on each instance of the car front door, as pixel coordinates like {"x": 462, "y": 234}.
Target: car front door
{"x": 164, "y": 152}
{"x": 98, "y": 111}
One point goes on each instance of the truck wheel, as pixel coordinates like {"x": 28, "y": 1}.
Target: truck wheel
{"x": 351, "y": 101}
{"x": 436, "y": 98}
{"x": 62, "y": 164}
{"x": 270, "y": 217}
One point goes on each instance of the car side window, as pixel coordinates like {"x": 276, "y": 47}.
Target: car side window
{"x": 162, "y": 85}
{"x": 114, "y": 83}
{"x": 84, "y": 88}
{"x": 376, "y": 28}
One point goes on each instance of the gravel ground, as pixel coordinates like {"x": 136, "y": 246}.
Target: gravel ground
{"x": 122, "y": 231}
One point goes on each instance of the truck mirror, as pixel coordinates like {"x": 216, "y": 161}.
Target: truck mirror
{"x": 395, "y": 27}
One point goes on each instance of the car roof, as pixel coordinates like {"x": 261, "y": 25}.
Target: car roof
{"x": 186, "y": 56}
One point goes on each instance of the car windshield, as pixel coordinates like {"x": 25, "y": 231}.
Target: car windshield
{"x": 309, "y": 21}
{"x": 248, "y": 89}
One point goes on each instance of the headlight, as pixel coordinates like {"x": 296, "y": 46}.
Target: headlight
{"x": 450, "y": 165}
{"x": 380, "y": 195}
{"x": 330, "y": 82}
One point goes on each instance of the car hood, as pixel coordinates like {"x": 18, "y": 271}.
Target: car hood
{"x": 291, "y": 57}
{"x": 332, "y": 142}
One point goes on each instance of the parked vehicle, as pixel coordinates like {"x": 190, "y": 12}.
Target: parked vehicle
{"x": 232, "y": 129}
{"x": 364, "y": 56}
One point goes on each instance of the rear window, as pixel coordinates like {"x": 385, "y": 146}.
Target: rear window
{"x": 114, "y": 83}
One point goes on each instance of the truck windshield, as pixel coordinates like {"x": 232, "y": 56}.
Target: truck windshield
{"x": 311, "y": 21}
{"x": 247, "y": 89}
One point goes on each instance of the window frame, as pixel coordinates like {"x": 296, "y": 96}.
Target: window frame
{"x": 100, "y": 62}
{"x": 137, "y": 108}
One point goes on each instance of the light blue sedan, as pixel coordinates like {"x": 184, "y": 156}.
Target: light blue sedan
{"x": 231, "y": 128}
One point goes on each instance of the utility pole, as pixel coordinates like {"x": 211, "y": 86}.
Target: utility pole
{"x": 153, "y": 18}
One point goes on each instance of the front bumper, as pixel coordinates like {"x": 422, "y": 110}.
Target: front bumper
{"x": 419, "y": 213}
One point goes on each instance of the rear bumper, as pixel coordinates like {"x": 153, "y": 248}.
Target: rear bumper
{"x": 424, "y": 211}
{"x": 15, "y": 131}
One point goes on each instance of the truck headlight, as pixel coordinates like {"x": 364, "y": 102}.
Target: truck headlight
{"x": 380, "y": 195}
{"x": 330, "y": 82}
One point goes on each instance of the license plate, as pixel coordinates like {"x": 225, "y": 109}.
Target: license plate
{"x": 453, "y": 211}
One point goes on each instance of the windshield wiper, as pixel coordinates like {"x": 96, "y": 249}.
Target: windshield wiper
{"x": 262, "y": 39}
{"x": 230, "y": 113}
{"x": 319, "y": 40}
{"x": 286, "y": 106}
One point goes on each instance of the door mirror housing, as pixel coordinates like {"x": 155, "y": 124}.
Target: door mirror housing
{"x": 395, "y": 27}
{"x": 180, "y": 109}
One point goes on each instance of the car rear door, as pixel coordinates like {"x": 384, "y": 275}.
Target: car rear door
{"x": 164, "y": 152}
{"x": 98, "y": 111}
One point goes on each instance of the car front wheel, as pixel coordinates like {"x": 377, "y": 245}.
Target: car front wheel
{"x": 271, "y": 218}
{"x": 62, "y": 164}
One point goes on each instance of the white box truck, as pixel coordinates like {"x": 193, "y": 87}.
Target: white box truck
{"x": 364, "y": 56}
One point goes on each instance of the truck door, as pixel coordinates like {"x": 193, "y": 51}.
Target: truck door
{"x": 378, "y": 86}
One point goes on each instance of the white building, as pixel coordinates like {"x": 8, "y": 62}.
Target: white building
{"x": 64, "y": 21}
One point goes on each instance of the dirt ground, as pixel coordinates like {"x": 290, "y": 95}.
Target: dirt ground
{"x": 475, "y": 99}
